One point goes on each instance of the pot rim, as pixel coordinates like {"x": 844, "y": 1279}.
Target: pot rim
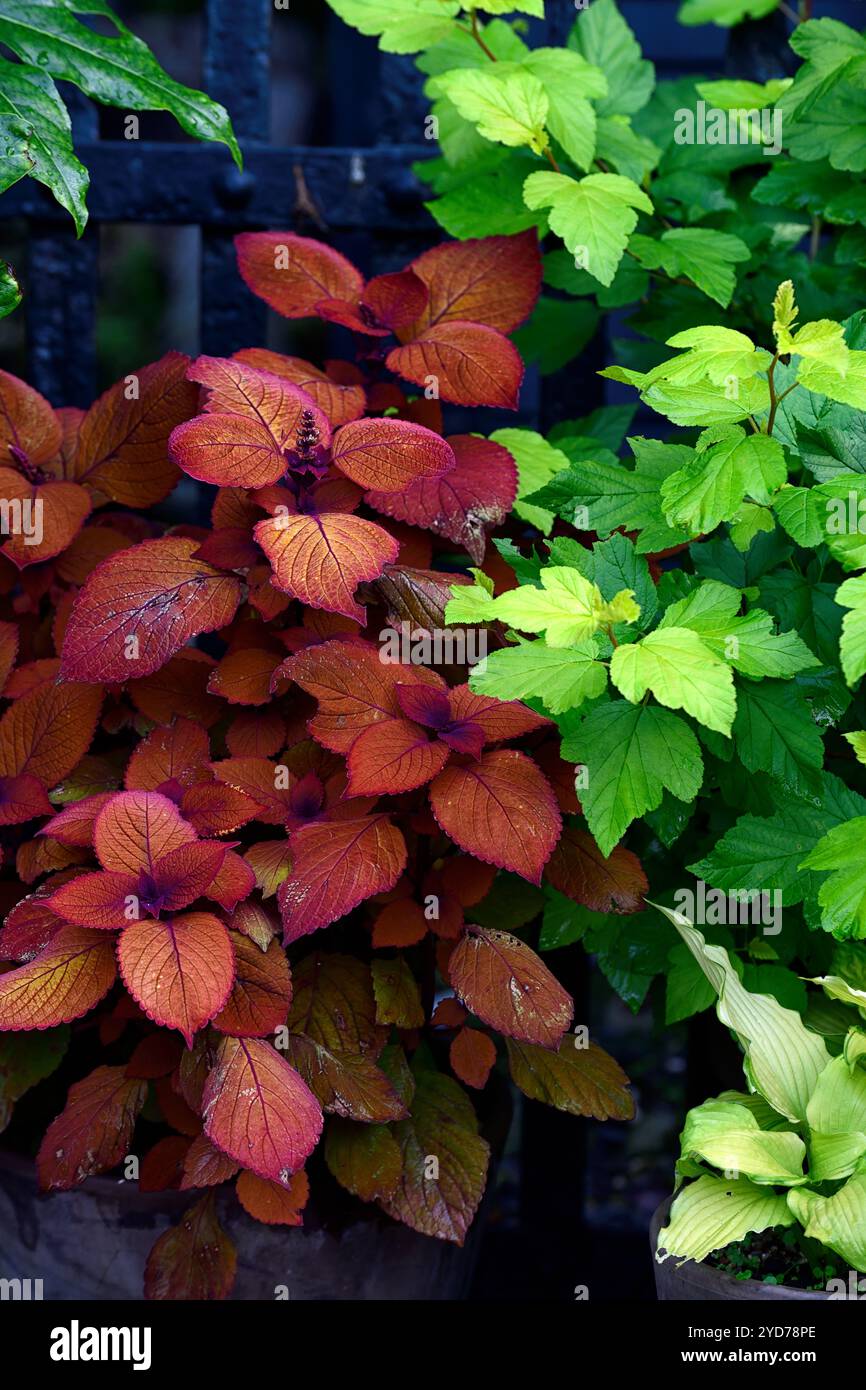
{"x": 117, "y": 1189}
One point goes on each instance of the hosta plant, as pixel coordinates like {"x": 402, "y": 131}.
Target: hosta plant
{"x": 791, "y": 1151}
{"x": 212, "y": 749}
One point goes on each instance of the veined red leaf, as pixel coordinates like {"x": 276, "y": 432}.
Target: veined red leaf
{"x": 172, "y": 753}
{"x": 501, "y": 980}
{"x": 194, "y": 1260}
{"x": 321, "y": 559}
{"x": 500, "y": 809}
{"x": 135, "y": 829}
{"x": 178, "y": 689}
{"x": 141, "y": 606}
{"x": 93, "y": 1131}
{"x": 42, "y": 519}
{"x": 156, "y": 1055}
{"x": 271, "y": 1202}
{"x": 243, "y": 677}
{"x": 186, "y": 873}
{"x": 8, "y": 651}
{"x": 205, "y": 1165}
{"x": 396, "y": 300}
{"x": 340, "y": 403}
{"x": 292, "y": 273}
{"x": 258, "y": 1110}
{"x": 271, "y": 863}
{"x": 27, "y": 422}
{"x": 256, "y": 733}
{"x": 234, "y": 882}
{"x": 469, "y": 363}
{"x": 261, "y": 993}
{"x": 47, "y": 732}
{"x": 99, "y": 901}
{"x": 258, "y": 779}
{"x": 388, "y": 455}
{"x": 578, "y": 869}
{"x": 21, "y": 799}
{"x": 580, "y": 1080}
{"x": 500, "y": 719}
{"x": 179, "y": 969}
{"x": 493, "y": 280}
{"x": 162, "y": 1166}
{"x": 393, "y": 756}
{"x": 335, "y": 866}
{"x": 252, "y": 919}
{"x": 74, "y": 971}
{"x": 214, "y": 809}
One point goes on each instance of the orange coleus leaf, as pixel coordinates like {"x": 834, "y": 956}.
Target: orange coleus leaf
{"x": 141, "y": 606}
{"x": 322, "y": 558}
{"x": 90, "y": 547}
{"x": 472, "y": 1055}
{"x": 33, "y": 673}
{"x": 205, "y": 1165}
{"x": 31, "y": 924}
{"x": 493, "y": 280}
{"x": 176, "y": 753}
{"x": 44, "y": 856}
{"x": 264, "y": 782}
{"x": 72, "y": 973}
{"x": 500, "y": 809}
{"x": 234, "y": 882}
{"x": 293, "y": 274}
{"x": 387, "y": 455}
{"x": 464, "y": 504}
{"x": 582, "y": 1080}
{"x": 499, "y": 719}
{"x": 258, "y": 1110}
{"x": 162, "y": 1166}
{"x": 501, "y": 980}
{"x": 261, "y": 992}
{"x": 192, "y": 1261}
{"x": 470, "y": 364}
{"x": 46, "y": 733}
{"x": 214, "y": 809}
{"x": 40, "y": 519}
{"x": 340, "y": 403}
{"x": 74, "y": 824}
{"x": 346, "y": 1083}
{"x": 136, "y": 828}
{"x": 578, "y": 869}
{"x": 21, "y": 799}
{"x": 243, "y": 677}
{"x": 179, "y": 969}
{"x": 271, "y": 1202}
{"x": 256, "y": 733}
{"x": 467, "y": 878}
{"x": 94, "y": 1130}
{"x": 121, "y": 450}
{"x": 393, "y": 756}
{"x": 29, "y": 428}
{"x": 400, "y": 924}
{"x": 176, "y": 1112}
{"x": 100, "y": 900}
{"x": 396, "y": 300}
{"x": 178, "y": 689}
{"x": 449, "y": 1013}
{"x": 254, "y": 920}
{"x": 335, "y": 866}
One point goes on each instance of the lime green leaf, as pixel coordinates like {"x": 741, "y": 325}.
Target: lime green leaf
{"x": 848, "y": 386}
{"x": 714, "y": 353}
{"x": 712, "y": 1212}
{"x": 836, "y": 1115}
{"x": 629, "y": 153}
{"x": 731, "y": 94}
{"x": 118, "y": 71}
{"x": 563, "y": 677}
{"x": 705, "y": 404}
{"x": 605, "y": 40}
{"x": 28, "y": 95}
{"x": 594, "y": 215}
{"x": 842, "y": 895}
{"x": 725, "y": 13}
{"x": 747, "y": 642}
{"x": 838, "y": 1221}
{"x": 784, "y": 308}
{"x": 472, "y": 603}
{"x": 712, "y": 486}
{"x": 729, "y": 1137}
{"x": 681, "y": 672}
{"x": 533, "y": 7}
{"x": 631, "y": 753}
{"x": 537, "y": 462}
{"x": 821, "y": 341}
{"x": 509, "y": 107}
{"x": 10, "y": 290}
{"x": 569, "y": 81}
{"x": 852, "y": 644}
{"x": 703, "y": 255}
{"x": 568, "y": 607}
{"x": 858, "y": 743}
{"x": 749, "y": 522}
{"x": 400, "y": 28}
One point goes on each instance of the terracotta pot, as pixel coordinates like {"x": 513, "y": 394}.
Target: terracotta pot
{"x": 92, "y": 1243}
{"x": 696, "y": 1283}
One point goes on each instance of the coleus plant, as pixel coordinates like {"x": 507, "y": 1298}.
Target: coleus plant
{"x": 208, "y": 755}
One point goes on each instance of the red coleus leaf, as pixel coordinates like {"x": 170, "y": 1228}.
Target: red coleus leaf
{"x": 401, "y": 923}
{"x": 135, "y": 829}
{"x": 256, "y": 733}
{"x": 272, "y": 1202}
{"x": 387, "y": 455}
{"x": 162, "y": 1166}
{"x": 121, "y": 448}
{"x": 578, "y": 869}
{"x": 293, "y": 274}
{"x": 261, "y": 993}
{"x": 501, "y": 979}
{"x": 73, "y": 972}
{"x": 140, "y": 607}
{"x": 335, "y": 866}
{"x": 172, "y": 753}
{"x": 234, "y": 882}
{"x": 500, "y": 720}
{"x": 493, "y": 280}
{"x": 464, "y": 504}
{"x": 393, "y": 756}
{"x": 194, "y": 1260}
{"x": 259, "y": 1111}
{"x": 42, "y": 517}
{"x": 100, "y": 900}
{"x": 180, "y": 970}
{"x": 29, "y": 428}
{"x": 322, "y": 558}
{"x": 21, "y": 799}
{"x": 46, "y": 733}
{"x": 156, "y": 1055}
{"x": 467, "y": 363}
{"x": 243, "y": 677}
{"x": 396, "y": 300}
{"x": 213, "y": 809}
{"x": 94, "y": 1130}
{"x": 472, "y": 1055}
{"x": 8, "y": 651}
{"x": 260, "y": 780}
{"x": 501, "y": 809}
{"x": 205, "y": 1165}
{"x": 338, "y": 401}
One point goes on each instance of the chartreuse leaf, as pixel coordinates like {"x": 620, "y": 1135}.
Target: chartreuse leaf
{"x": 605, "y": 40}
{"x": 537, "y": 462}
{"x": 712, "y": 1212}
{"x": 10, "y": 290}
{"x": 400, "y": 28}
{"x": 681, "y": 672}
{"x": 119, "y": 70}
{"x": 838, "y": 1221}
{"x": 569, "y": 82}
{"x": 533, "y": 7}
{"x": 504, "y": 103}
{"x": 563, "y": 677}
{"x": 631, "y": 754}
{"x": 594, "y": 215}
{"x": 783, "y": 1058}
{"x": 712, "y": 486}
{"x": 858, "y": 743}
{"x": 748, "y": 642}
{"x": 836, "y": 1115}
{"x": 568, "y": 607}
{"x": 723, "y": 12}
{"x": 852, "y": 644}
{"x": 729, "y": 1137}
{"x": 29, "y": 97}
{"x": 842, "y": 895}
{"x": 703, "y": 255}
{"x": 712, "y": 352}
{"x": 472, "y": 603}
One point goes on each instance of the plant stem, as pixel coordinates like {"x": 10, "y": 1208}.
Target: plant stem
{"x": 476, "y": 34}
{"x": 789, "y": 13}
{"x": 815, "y": 237}
{"x": 774, "y": 399}
{"x": 551, "y": 159}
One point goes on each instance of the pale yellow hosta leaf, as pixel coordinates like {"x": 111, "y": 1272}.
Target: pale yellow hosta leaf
{"x": 729, "y": 1137}
{"x": 710, "y": 1213}
{"x": 838, "y": 1221}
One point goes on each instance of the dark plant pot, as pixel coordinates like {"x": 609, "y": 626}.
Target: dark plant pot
{"x": 698, "y": 1283}
{"x": 92, "y": 1243}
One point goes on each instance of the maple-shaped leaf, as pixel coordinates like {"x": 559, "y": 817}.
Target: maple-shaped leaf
{"x": 121, "y": 445}
{"x": 504, "y": 982}
{"x": 258, "y": 1110}
{"x": 467, "y": 502}
{"x": 180, "y": 970}
{"x": 261, "y": 992}
{"x": 583, "y": 1080}
{"x": 335, "y": 866}
{"x": 389, "y": 455}
{"x": 468, "y": 363}
{"x": 272, "y": 1202}
{"x": 443, "y": 1123}
{"x": 333, "y": 1003}
{"x": 28, "y": 425}
{"x": 340, "y": 402}
{"x": 193, "y": 1260}
{"x": 43, "y": 518}
{"x": 93, "y": 1131}
{"x": 322, "y": 557}
{"x": 472, "y": 1055}
{"x": 501, "y": 809}
{"x": 365, "y": 1159}
{"x": 140, "y": 607}
{"x": 493, "y": 280}
{"x": 578, "y": 869}
{"x": 293, "y": 274}
{"x": 72, "y": 973}
{"x": 46, "y": 733}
